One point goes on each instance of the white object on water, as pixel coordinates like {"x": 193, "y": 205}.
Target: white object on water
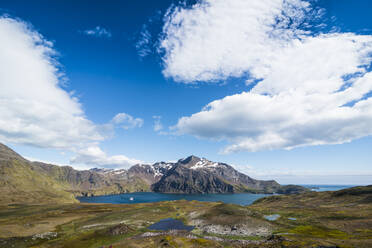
{"x": 131, "y": 199}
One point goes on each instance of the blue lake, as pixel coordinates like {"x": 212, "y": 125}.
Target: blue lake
{"x": 243, "y": 199}
{"x": 144, "y": 197}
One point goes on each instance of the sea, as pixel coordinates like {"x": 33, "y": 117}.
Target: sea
{"x": 242, "y": 199}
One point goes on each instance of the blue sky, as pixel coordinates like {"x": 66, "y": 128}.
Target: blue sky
{"x": 108, "y": 75}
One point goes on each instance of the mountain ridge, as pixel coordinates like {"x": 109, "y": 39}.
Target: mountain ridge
{"x": 21, "y": 178}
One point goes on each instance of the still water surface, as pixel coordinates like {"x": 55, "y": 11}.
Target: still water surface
{"x": 243, "y": 199}
{"x": 144, "y": 197}
{"x": 170, "y": 224}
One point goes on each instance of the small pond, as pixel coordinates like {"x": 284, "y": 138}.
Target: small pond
{"x": 170, "y": 224}
{"x": 272, "y": 217}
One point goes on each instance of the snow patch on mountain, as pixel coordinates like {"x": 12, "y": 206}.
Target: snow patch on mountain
{"x": 160, "y": 168}
{"x": 204, "y": 163}
{"x": 119, "y": 172}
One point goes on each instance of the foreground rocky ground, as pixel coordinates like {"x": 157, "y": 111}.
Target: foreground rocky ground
{"x": 328, "y": 219}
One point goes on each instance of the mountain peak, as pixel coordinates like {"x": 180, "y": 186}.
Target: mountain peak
{"x": 190, "y": 160}
{"x": 195, "y": 163}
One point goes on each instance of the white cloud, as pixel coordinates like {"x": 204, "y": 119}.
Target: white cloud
{"x": 216, "y": 39}
{"x": 145, "y": 39}
{"x": 96, "y": 157}
{"x": 34, "y": 108}
{"x": 312, "y": 88}
{"x": 157, "y": 123}
{"x": 98, "y": 31}
{"x": 126, "y": 121}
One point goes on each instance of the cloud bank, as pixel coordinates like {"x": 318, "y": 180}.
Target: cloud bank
{"x": 35, "y": 109}
{"x": 309, "y": 88}
{"x": 301, "y": 176}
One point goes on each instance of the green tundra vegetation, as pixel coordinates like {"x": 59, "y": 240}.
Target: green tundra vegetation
{"x": 315, "y": 219}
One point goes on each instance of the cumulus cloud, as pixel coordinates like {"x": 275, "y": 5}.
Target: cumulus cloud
{"x": 96, "y": 157}
{"x": 311, "y": 88}
{"x": 34, "y": 107}
{"x": 126, "y": 121}
{"x": 218, "y": 39}
{"x": 98, "y": 31}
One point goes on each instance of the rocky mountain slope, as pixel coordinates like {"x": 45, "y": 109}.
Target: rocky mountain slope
{"x": 199, "y": 175}
{"x": 94, "y": 181}
{"x": 25, "y": 181}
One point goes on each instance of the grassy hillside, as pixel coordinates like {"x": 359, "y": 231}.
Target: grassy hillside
{"x": 89, "y": 182}
{"x": 20, "y": 183}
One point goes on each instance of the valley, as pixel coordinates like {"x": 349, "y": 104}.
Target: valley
{"x": 39, "y": 208}
{"x": 315, "y": 219}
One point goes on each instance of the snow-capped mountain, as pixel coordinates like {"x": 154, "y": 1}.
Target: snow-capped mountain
{"x": 194, "y": 175}
{"x": 200, "y": 175}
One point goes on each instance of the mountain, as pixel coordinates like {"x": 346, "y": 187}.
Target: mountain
{"x": 94, "y": 181}
{"x": 20, "y": 182}
{"x": 150, "y": 173}
{"x": 199, "y": 175}
{"x": 33, "y": 182}
{"x": 23, "y": 181}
